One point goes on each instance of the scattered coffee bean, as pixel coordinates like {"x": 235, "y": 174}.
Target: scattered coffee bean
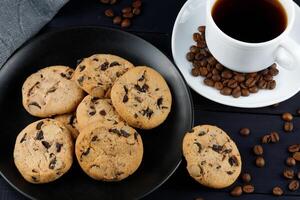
{"x": 258, "y": 150}
{"x": 277, "y": 191}
{"x": 109, "y": 13}
{"x": 294, "y": 185}
{"x": 288, "y": 173}
{"x": 246, "y": 177}
{"x": 287, "y": 117}
{"x": 126, "y": 9}
{"x": 274, "y": 137}
{"x": 117, "y": 20}
{"x": 226, "y": 91}
{"x": 245, "y": 131}
{"x": 266, "y": 139}
{"x": 236, "y": 191}
{"x": 296, "y": 156}
{"x": 290, "y": 161}
{"x": 298, "y": 175}
{"x": 260, "y": 161}
{"x": 125, "y": 23}
{"x": 137, "y": 4}
{"x": 248, "y": 188}
{"x": 294, "y": 148}
{"x": 288, "y": 126}
{"x": 127, "y": 15}
{"x": 136, "y": 11}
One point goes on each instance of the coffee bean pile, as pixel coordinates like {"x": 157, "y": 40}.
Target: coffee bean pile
{"x": 246, "y": 188}
{"x": 288, "y": 125}
{"x": 225, "y": 80}
{"x": 123, "y": 19}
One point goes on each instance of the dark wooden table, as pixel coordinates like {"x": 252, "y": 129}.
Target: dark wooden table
{"x": 155, "y": 25}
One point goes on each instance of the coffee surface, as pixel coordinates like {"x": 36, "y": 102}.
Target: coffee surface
{"x": 250, "y": 21}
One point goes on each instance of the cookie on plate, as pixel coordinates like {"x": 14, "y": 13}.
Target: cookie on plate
{"x": 109, "y": 153}
{"x": 213, "y": 159}
{"x": 70, "y": 122}
{"x": 94, "y": 109}
{"x": 43, "y": 151}
{"x": 97, "y": 73}
{"x": 50, "y": 91}
{"x": 142, "y": 97}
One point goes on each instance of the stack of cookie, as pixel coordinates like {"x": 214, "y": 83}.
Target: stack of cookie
{"x": 97, "y": 107}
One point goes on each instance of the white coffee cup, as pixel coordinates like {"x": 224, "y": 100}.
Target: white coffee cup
{"x": 252, "y": 57}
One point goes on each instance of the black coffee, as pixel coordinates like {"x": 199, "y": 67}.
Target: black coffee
{"x": 250, "y": 21}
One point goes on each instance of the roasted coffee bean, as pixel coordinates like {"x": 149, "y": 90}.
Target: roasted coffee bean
{"x": 258, "y": 150}
{"x": 137, "y": 4}
{"x": 218, "y": 85}
{"x": 296, "y": 156}
{"x": 195, "y": 71}
{"x": 245, "y": 92}
{"x": 232, "y": 84}
{"x": 212, "y": 61}
{"x": 194, "y": 49}
{"x": 268, "y": 77}
{"x": 250, "y": 82}
{"x": 294, "y": 185}
{"x": 190, "y": 56}
{"x": 117, "y": 20}
{"x": 197, "y": 37}
{"x": 287, "y": 116}
{"x": 198, "y": 56}
{"x": 248, "y": 188}
{"x": 290, "y": 161}
{"x": 127, "y": 9}
{"x": 201, "y": 29}
{"x": 236, "y": 92}
{"x": 216, "y": 77}
{"x": 260, "y": 161}
{"x": 109, "y": 13}
{"x": 288, "y": 127}
{"x": 274, "y": 137}
{"x": 239, "y": 78}
{"x": 288, "y": 173}
{"x": 127, "y": 15}
{"x": 209, "y": 75}
{"x": 209, "y": 82}
{"x": 266, "y": 139}
{"x": 215, "y": 72}
{"x": 273, "y": 71}
{"x": 219, "y": 67}
{"x": 201, "y": 44}
{"x": 226, "y": 74}
{"x": 294, "y": 148}
{"x": 203, "y": 71}
{"x": 245, "y": 131}
{"x": 136, "y": 11}
{"x": 271, "y": 85}
{"x": 253, "y": 89}
{"x": 298, "y": 175}
{"x": 262, "y": 84}
{"x": 226, "y": 91}
{"x": 277, "y": 191}
{"x": 236, "y": 191}
{"x": 125, "y": 23}
{"x": 246, "y": 177}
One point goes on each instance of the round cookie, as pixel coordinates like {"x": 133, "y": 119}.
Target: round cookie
{"x": 43, "y": 151}
{"x": 109, "y": 153}
{"x": 97, "y": 73}
{"x": 142, "y": 98}
{"x": 93, "y": 109}
{"x": 50, "y": 91}
{"x": 213, "y": 159}
{"x": 70, "y": 122}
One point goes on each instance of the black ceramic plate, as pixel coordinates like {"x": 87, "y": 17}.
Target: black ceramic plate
{"x": 162, "y": 146}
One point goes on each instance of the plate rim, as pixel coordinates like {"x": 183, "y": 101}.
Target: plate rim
{"x": 43, "y": 35}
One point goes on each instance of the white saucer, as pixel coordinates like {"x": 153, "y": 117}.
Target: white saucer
{"x": 192, "y": 15}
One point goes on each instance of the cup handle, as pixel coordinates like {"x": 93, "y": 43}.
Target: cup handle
{"x": 288, "y": 54}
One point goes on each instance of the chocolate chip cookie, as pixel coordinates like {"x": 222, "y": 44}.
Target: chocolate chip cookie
{"x": 109, "y": 153}
{"x": 213, "y": 159}
{"x": 50, "y": 91}
{"x": 96, "y": 74}
{"x": 94, "y": 109}
{"x": 70, "y": 122}
{"x": 43, "y": 151}
{"x": 142, "y": 97}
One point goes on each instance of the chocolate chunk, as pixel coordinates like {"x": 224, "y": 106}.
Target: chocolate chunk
{"x": 199, "y": 146}
{"x": 229, "y": 172}
{"x": 23, "y": 138}
{"x": 159, "y": 101}
{"x": 233, "y": 161}
{"x": 135, "y": 115}
{"x": 46, "y": 144}
{"x": 30, "y": 90}
{"x": 39, "y": 125}
{"x": 125, "y": 98}
{"x": 66, "y": 76}
{"x": 72, "y": 120}
{"x": 102, "y": 112}
{"x": 34, "y": 171}
{"x": 156, "y": 89}
{"x": 148, "y": 112}
{"x": 52, "y": 155}
{"x": 126, "y": 90}
{"x": 80, "y": 80}
{"x": 39, "y": 135}
{"x": 86, "y": 152}
{"x": 142, "y": 77}
{"x": 217, "y": 148}
{"x": 201, "y": 133}
{"x": 34, "y": 178}
{"x": 104, "y": 66}
{"x": 138, "y": 99}
{"x": 114, "y": 64}
{"x": 95, "y": 99}
{"x": 95, "y": 59}
{"x": 92, "y": 113}
{"x": 226, "y": 151}
{"x": 52, "y": 163}
{"x": 52, "y": 89}
{"x": 113, "y": 130}
{"x": 136, "y": 135}
{"x": 164, "y": 107}
{"x": 58, "y": 147}
{"x": 81, "y": 68}
{"x": 35, "y": 104}
{"x": 124, "y": 133}
{"x": 94, "y": 138}
{"x": 144, "y": 88}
